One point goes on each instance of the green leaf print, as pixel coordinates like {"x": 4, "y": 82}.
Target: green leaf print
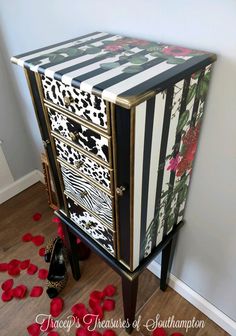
{"x": 93, "y": 50}
{"x": 191, "y": 93}
{"x": 74, "y": 52}
{"x": 183, "y": 120}
{"x": 109, "y": 65}
{"x": 175, "y": 60}
{"x": 53, "y": 58}
{"x": 138, "y": 59}
{"x": 133, "y": 69}
{"x": 183, "y": 194}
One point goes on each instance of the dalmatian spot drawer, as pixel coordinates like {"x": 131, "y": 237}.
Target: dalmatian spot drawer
{"x": 88, "y": 196}
{"x": 83, "y": 163}
{"x": 97, "y": 231}
{"x": 87, "y": 139}
{"x": 84, "y": 105}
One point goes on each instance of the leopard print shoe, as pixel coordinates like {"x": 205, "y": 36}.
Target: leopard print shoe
{"x": 49, "y": 248}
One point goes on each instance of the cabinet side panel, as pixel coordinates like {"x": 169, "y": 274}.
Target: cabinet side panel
{"x": 166, "y": 136}
{"x": 122, "y": 123}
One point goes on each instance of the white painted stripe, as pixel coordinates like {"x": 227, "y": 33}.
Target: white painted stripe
{"x": 79, "y": 59}
{"x": 155, "y": 152}
{"x": 22, "y": 60}
{"x": 178, "y": 90}
{"x": 140, "y": 117}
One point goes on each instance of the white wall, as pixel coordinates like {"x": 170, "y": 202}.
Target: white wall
{"x": 206, "y": 253}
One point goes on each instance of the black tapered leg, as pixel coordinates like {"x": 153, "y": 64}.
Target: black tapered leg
{"x": 129, "y": 290}
{"x": 165, "y": 265}
{"x": 72, "y": 249}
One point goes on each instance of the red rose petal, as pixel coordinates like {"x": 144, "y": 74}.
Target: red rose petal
{"x": 95, "y": 333}
{"x": 24, "y": 264}
{"x": 3, "y": 267}
{"x": 82, "y": 332}
{"x": 19, "y": 291}
{"x": 36, "y": 291}
{"x": 159, "y": 332}
{"x": 34, "y": 329}
{"x": 109, "y": 290}
{"x": 56, "y": 220}
{"x": 47, "y": 325}
{"x": 53, "y": 333}
{"x": 96, "y": 296}
{"x": 43, "y": 274}
{"x": 60, "y": 231}
{"x": 13, "y": 270}
{"x": 7, "y": 285}
{"x": 32, "y": 269}
{"x": 42, "y": 251}
{"x": 177, "y": 334}
{"x": 108, "y": 305}
{"x": 14, "y": 262}
{"x": 97, "y": 309}
{"x": 109, "y": 332}
{"x": 79, "y": 310}
{"x": 56, "y": 306}
{"x": 78, "y": 241}
{"x": 38, "y": 240}
{"x": 37, "y": 216}
{"x": 7, "y": 295}
{"x": 27, "y": 237}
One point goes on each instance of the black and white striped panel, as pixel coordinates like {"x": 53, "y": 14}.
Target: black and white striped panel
{"x": 91, "y": 226}
{"x": 86, "y": 138}
{"x": 85, "y": 105}
{"x": 87, "y": 166}
{"x": 163, "y": 125}
{"x": 88, "y": 195}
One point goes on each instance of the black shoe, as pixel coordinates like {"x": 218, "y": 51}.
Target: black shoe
{"x": 57, "y": 275}
{"x": 49, "y": 248}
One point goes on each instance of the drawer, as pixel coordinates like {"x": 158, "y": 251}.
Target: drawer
{"x": 96, "y": 230}
{"x": 83, "y": 163}
{"x": 84, "y": 105}
{"x": 87, "y": 139}
{"x": 89, "y": 196}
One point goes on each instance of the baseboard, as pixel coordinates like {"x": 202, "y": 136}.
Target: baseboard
{"x": 21, "y": 184}
{"x": 197, "y": 300}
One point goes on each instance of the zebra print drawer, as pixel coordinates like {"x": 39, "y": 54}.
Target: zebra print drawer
{"x": 88, "y": 196}
{"x": 101, "y": 234}
{"x": 92, "y": 142}
{"x": 83, "y": 163}
{"x": 83, "y": 104}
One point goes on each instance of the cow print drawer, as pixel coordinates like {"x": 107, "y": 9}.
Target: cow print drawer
{"x": 83, "y": 163}
{"x": 87, "y": 139}
{"x": 88, "y": 196}
{"x": 97, "y": 231}
{"x": 84, "y": 105}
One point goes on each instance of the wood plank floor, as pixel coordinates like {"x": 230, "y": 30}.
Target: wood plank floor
{"x": 16, "y": 315}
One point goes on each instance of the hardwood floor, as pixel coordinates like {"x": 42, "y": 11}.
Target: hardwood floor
{"x": 16, "y": 315}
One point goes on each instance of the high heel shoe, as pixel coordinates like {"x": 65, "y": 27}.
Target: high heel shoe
{"x": 57, "y": 275}
{"x": 49, "y": 248}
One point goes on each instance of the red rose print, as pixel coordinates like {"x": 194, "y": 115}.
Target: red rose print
{"x": 159, "y": 332}
{"x": 42, "y": 274}
{"x": 56, "y": 306}
{"x": 42, "y": 252}
{"x": 27, "y": 237}
{"x": 32, "y": 269}
{"x": 109, "y": 332}
{"x": 113, "y": 47}
{"x": 24, "y": 264}
{"x": 19, "y": 291}
{"x": 7, "y": 285}
{"x": 3, "y": 267}
{"x": 37, "y": 216}
{"x": 36, "y": 291}
{"x": 173, "y": 164}
{"x": 176, "y": 51}
{"x": 38, "y": 240}
{"x": 7, "y": 295}
{"x": 109, "y": 290}
{"x": 34, "y": 329}
{"x": 108, "y": 305}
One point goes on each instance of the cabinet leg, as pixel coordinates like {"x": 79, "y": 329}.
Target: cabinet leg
{"x": 129, "y": 290}
{"x": 165, "y": 265}
{"x": 72, "y": 249}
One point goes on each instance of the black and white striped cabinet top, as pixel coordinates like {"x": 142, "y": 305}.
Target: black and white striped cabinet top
{"x": 119, "y": 69}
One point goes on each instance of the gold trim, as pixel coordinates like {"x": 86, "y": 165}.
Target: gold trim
{"x": 108, "y": 110}
{"x": 74, "y": 199}
{"x": 132, "y": 135}
{"x": 76, "y": 118}
{"x": 90, "y": 180}
{"x": 129, "y": 102}
{"x": 39, "y": 85}
{"x": 114, "y": 146}
{"x": 81, "y": 149}
{"x": 123, "y": 263}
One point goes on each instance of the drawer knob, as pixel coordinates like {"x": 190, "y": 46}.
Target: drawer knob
{"x": 73, "y": 136}
{"x": 83, "y": 194}
{"x": 68, "y": 100}
{"x": 79, "y": 164}
{"x": 120, "y": 190}
{"x": 88, "y": 225}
